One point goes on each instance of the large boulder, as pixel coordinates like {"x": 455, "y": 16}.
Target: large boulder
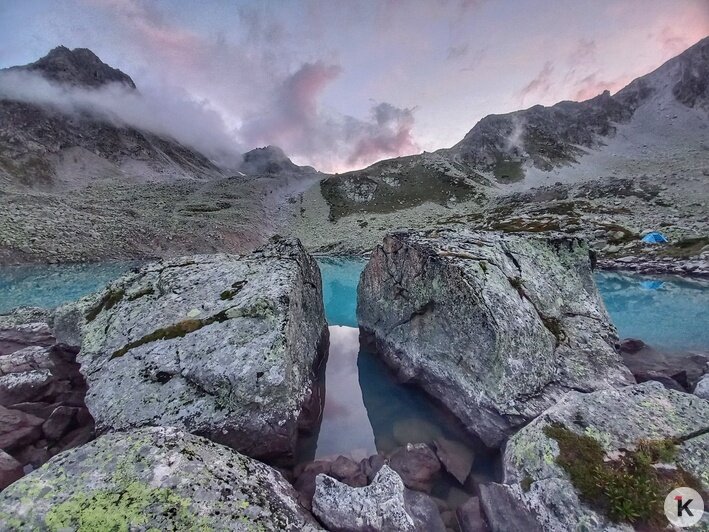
{"x": 385, "y": 505}
{"x": 630, "y": 445}
{"x": 498, "y": 327}
{"x": 157, "y": 478}
{"x": 224, "y": 346}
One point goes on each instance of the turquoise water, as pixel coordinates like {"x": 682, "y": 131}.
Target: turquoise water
{"x": 366, "y": 410}
{"x": 51, "y": 285}
{"x": 668, "y": 312}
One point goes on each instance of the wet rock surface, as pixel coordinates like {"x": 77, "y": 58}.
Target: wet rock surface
{"x": 42, "y": 410}
{"x": 153, "y": 478}
{"x": 385, "y": 505}
{"x": 222, "y": 345}
{"x": 497, "y": 327}
{"x": 677, "y": 371}
{"x": 417, "y": 465}
{"x": 619, "y": 420}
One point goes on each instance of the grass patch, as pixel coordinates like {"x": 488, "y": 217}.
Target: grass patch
{"x": 228, "y": 295}
{"x": 628, "y": 489}
{"x": 177, "y": 330}
{"x": 110, "y": 299}
{"x": 685, "y": 248}
{"x": 508, "y": 171}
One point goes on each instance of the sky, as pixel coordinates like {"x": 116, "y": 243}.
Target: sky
{"x": 339, "y": 84}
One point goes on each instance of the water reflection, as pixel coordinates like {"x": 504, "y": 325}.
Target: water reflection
{"x": 345, "y": 427}
{"x": 668, "y": 313}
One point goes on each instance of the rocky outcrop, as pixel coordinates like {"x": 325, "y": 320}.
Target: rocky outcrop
{"x": 678, "y": 371}
{"x": 223, "y": 346}
{"x": 42, "y": 410}
{"x": 271, "y": 161}
{"x": 702, "y": 388}
{"x": 497, "y": 327}
{"x": 417, "y": 465}
{"x": 153, "y": 478}
{"x": 383, "y": 506}
{"x": 504, "y": 510}
{"x": 546, "y": 462}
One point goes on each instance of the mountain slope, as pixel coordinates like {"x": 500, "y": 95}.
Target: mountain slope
{"x": 42, "y": 146}
{"x": 503, "y": 149}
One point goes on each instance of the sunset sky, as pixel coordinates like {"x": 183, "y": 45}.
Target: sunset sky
{"x": 340, "y": 84}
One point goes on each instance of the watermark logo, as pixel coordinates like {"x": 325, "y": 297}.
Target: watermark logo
{"x": 684, "y": 507}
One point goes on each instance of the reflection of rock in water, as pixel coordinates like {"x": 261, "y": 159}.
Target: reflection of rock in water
{"x": 344, "y": 429}
{"x": 414, "y": 430}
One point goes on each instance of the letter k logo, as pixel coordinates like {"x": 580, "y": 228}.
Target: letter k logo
{"x": 683, "y": 507}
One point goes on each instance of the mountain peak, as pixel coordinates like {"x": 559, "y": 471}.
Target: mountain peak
{"x": 79, "y": 66}
{"x": 270, "y": 160}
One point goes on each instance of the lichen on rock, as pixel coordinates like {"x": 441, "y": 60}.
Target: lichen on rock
{"x": 498, "y": 327}
{"x": 164, "y": 346}
{"x": 153, "y": 479}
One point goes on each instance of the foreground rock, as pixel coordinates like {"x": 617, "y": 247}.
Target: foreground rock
{"x": 383, "y": 506}
{"x": 153, "y": 478}
{"x": 678, "y": 371}
{"x": 42, "y": 410}
{"x": 669, "y": 428}
{"x": 497, "y": 327}
{"x": 224, "y": 346}
{"x": 505, "y": 511}
{"x": 702, "y": 388}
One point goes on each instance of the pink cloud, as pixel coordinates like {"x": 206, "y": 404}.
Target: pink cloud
{"x": 540, "y": 85}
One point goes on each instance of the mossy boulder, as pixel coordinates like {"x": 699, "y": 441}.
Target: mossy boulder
{"x": 498, "y": 327}
{"x": 163, "y": 346}
{"x": 606, "y": 460}
{"x": 158, "y": 478}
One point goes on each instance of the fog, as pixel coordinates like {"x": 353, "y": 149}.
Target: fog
{"x": 168, "y": 114}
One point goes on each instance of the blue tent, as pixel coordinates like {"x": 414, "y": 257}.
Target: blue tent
{"x": 651, "y": 285}
{"x": 654, "y": 238}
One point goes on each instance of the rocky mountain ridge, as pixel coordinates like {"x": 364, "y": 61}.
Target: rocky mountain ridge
{"x": 503, "y": 149}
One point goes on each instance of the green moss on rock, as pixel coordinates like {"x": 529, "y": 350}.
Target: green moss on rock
{"x": 626, "y": 489}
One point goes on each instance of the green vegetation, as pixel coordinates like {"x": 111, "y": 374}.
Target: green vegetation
{"x": 685, "y": 248}
{"x": 230, "y": 293}
{"x": 178, "y": 330}
{"x": 627, "y": 489}
{"x": 109, "y": 300}
{"x": 387, "y": 189}
{"x": 507, "y": 171}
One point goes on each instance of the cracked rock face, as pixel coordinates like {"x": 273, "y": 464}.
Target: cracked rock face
{"x": 498, "y": 327}
{"x": 618, "y": 419}
{"x": 157, "y": 478}
{"x": 223, "y": 346}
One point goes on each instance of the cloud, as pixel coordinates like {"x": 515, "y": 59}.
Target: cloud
{"x": 191, "y": 123}
{"x": 456, "y": 52}
{"x": 591, "y": 86}
{"x": 584, "y": 52}
{"x": 261, "y": 90}
{"x": 296, "y": 122}
{"x": 540, "y": 85}
{"x": 388, "y": 135}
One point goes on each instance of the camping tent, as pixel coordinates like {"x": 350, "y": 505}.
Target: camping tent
{"x": 654, "y": 238}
